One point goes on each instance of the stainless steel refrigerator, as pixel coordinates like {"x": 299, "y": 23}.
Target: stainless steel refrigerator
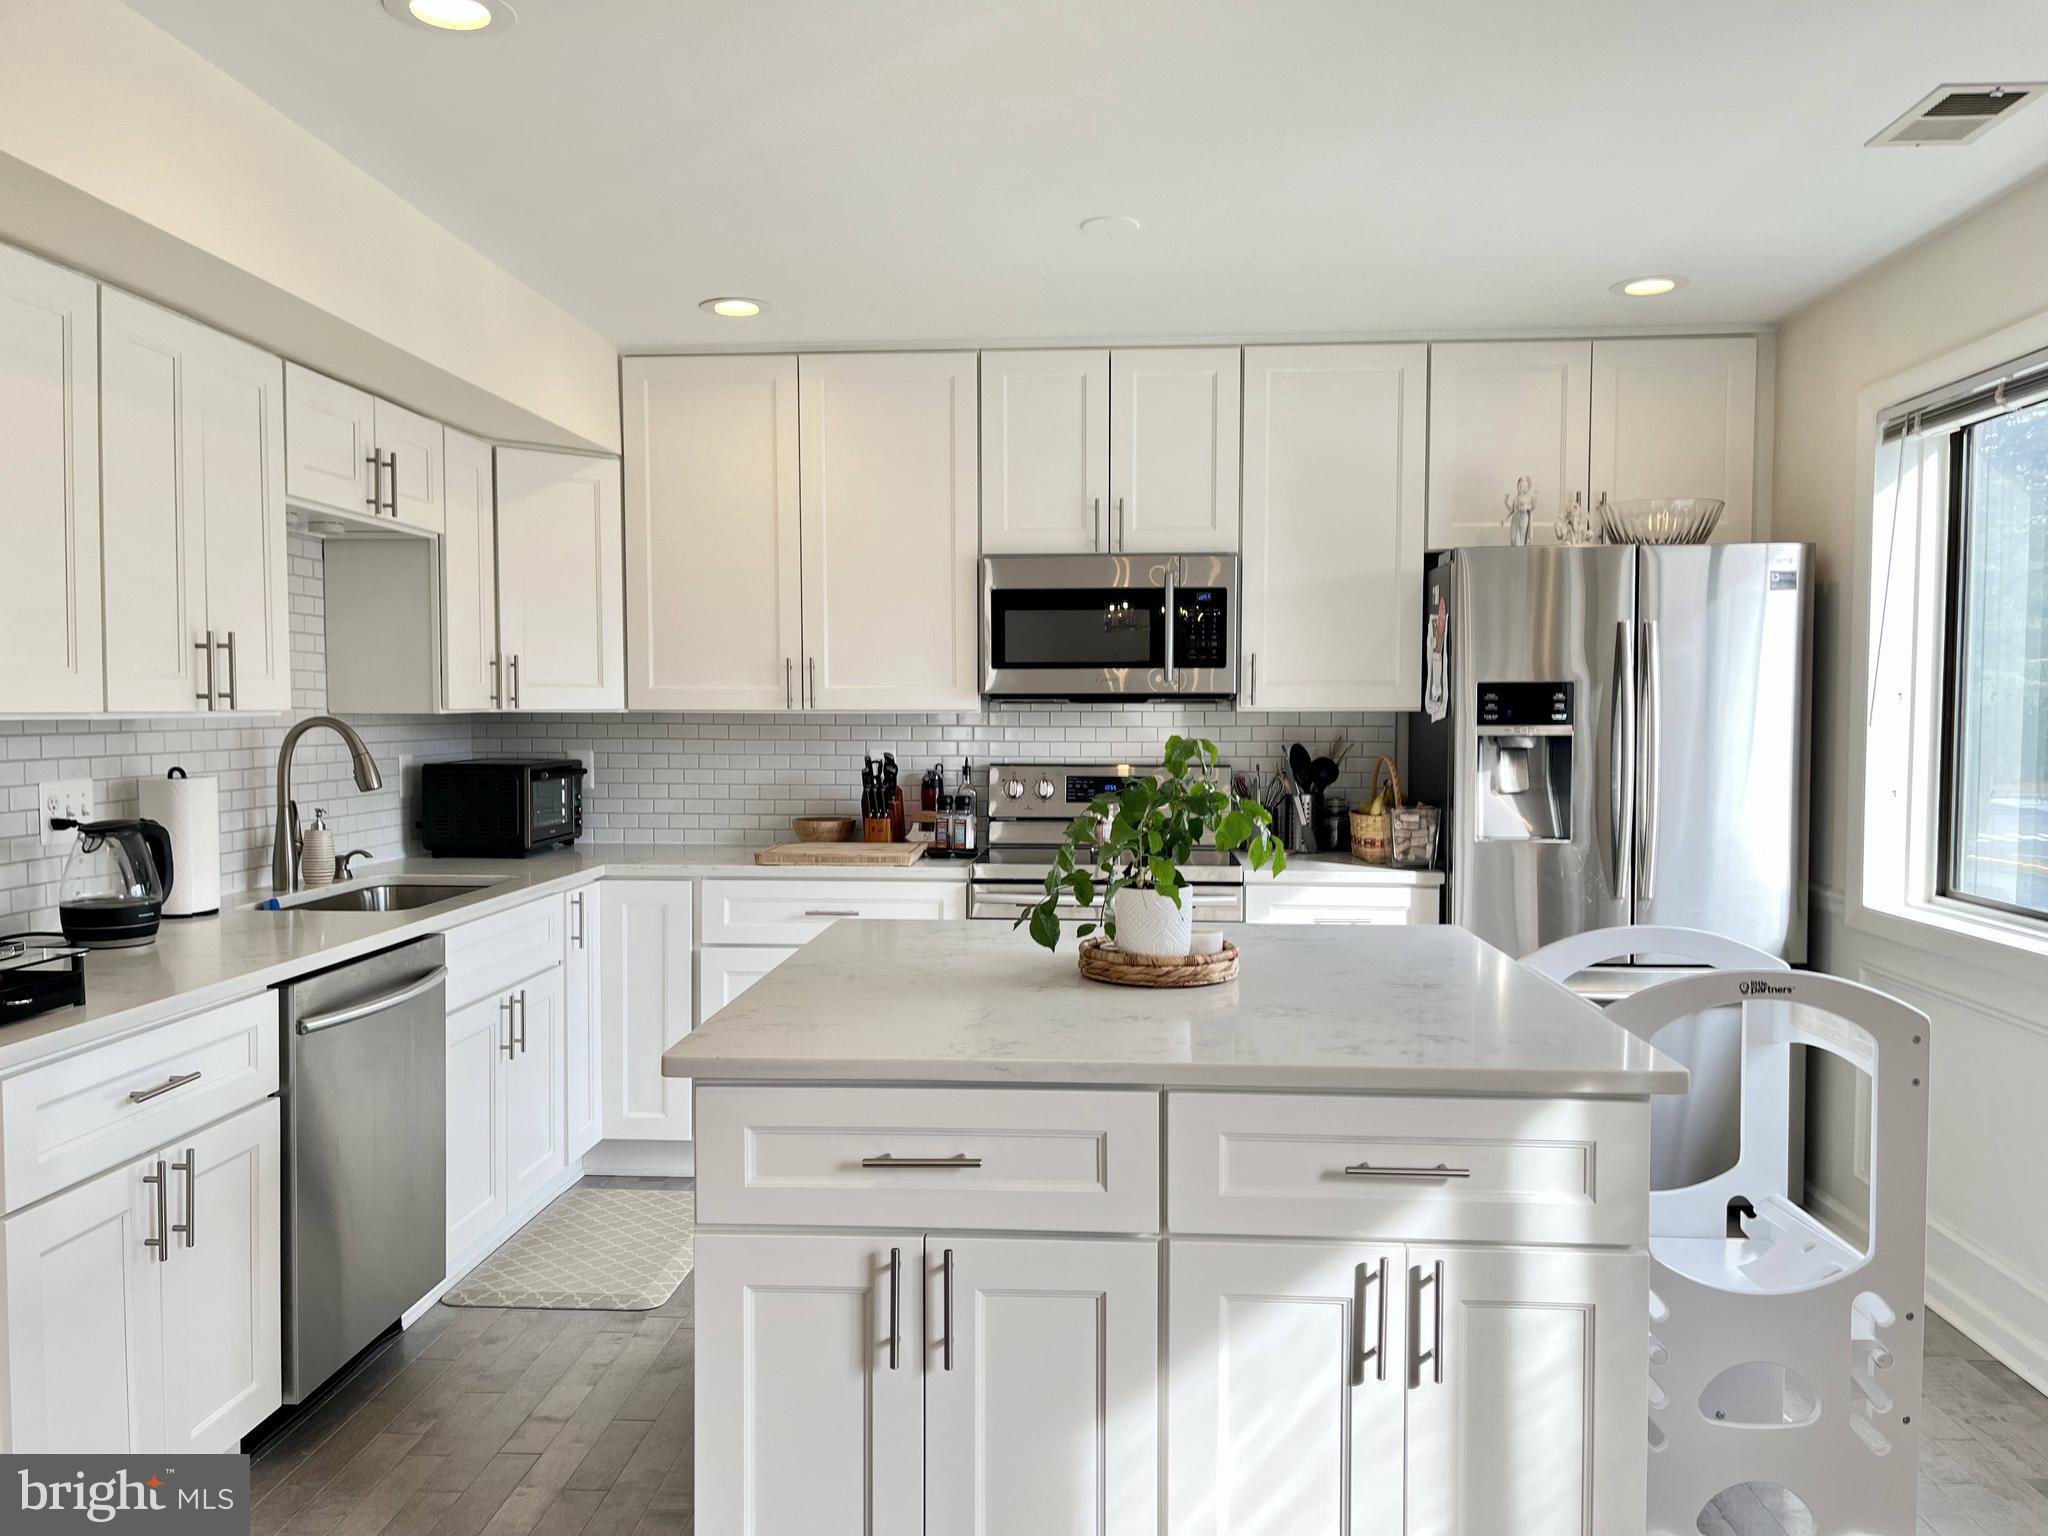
{"x": 1619, "y": 735}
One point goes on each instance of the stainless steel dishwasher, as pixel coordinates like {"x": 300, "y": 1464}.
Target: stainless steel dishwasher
{"x": 364, "y": 1085}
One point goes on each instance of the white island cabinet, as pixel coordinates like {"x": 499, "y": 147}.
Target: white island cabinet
{"x": 1362, "y": 1236}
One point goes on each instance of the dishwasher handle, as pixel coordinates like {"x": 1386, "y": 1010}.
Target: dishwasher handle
{"x": 377, "y": 1004}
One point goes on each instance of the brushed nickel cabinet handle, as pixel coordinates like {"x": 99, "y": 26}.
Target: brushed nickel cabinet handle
{"x": 891, "y": 1160}
{"x": 505, "y": 1010}
{"x": 234, "y": 672}
{"x": 1435, "y": 1353}
{"x": 1366, "y": 1277}
{"x": 1119, "y": 528}
{"x": 391, "y": 464}
{"x": 189, "y": 1167}
{"x": 205, "y": 648}
{"x": 576, "y": 901}
{"x": 811, "y": 663}
{"x": 788, "y": 682}
{"x": 522, "y": 1021}
{"x": 160, "y": 1236}
{"x": 497, "y": 681}
{"x": 946, "y": 1311}
{"x": 175, "y": 1080}
{"x": 1251, "y": 692}
{"x": 515, "y": 679}
{"x": 1438, "y": 1173}
{"x": 1098, "y": 522}
{"x": 830, "y": 912}
{"x": 895, "y": 1302}
{"x": 375, "y": 500}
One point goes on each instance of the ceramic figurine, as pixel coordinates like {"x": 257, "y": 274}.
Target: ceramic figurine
{"x": 1577, "y": 525}
{"x": 1521, "y": 510}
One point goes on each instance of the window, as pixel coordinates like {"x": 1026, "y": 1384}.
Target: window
{"x": 1994, "y": 819}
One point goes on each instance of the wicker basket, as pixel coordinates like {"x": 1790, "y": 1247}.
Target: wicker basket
{"x": 1372, "y": 837}
{"x": 1103, "y": 961}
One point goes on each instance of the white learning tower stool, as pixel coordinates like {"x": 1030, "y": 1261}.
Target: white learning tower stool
{"x": 1784, "y": 1355}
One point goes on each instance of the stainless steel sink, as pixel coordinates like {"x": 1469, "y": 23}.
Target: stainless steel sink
{"x": 383, "y": 896}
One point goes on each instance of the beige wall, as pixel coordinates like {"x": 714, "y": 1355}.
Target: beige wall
{"x": 1987, "y": 1228}
{"x": 1980, "y": 274}
{"x": 125, "y": 154}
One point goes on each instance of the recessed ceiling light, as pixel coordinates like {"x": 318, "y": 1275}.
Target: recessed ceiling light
{"x": 1647, "y": 287}
{"x": 1110, "y": 224}
{"x": 452, "y": 15}
{"x": 733, "y": 307}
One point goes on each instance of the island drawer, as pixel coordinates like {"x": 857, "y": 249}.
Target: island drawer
{"x": 1000, "y": 1159}
{"x": 781, "y": 911}
{"x": 70, "y": 1119}
{"x": 1419, "y": 1169}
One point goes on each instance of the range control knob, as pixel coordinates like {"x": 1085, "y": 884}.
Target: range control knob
{"x": 1047, "y": 789}
{"x": 1014, "y": 789}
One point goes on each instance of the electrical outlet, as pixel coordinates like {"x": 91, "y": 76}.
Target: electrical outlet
{"x": 588, "y": 759}
{"x": 69, "y": 798}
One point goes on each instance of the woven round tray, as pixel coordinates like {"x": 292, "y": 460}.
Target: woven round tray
{"x": 1103, "y": 961}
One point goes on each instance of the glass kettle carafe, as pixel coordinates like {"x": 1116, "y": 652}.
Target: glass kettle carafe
{"x": 115, "y": 882}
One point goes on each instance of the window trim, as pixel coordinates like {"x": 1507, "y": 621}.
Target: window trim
{"x": 1895, "y": 715}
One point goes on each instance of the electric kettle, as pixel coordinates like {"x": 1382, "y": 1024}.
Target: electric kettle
{"x": 114, "y": 883}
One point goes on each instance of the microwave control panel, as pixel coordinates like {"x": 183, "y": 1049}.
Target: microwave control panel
{"x": 1201, "y": 627}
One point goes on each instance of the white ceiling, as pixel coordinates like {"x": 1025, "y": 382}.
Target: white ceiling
{"x": 915, "y": 170}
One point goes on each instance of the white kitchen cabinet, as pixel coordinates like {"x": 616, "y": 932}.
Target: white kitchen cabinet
{"x": 561, "y": 583}
{"x": 479, "y": 1037}
{"x": 1357, "y": 903}
{"x": 791, "y": 910}
{"x": 1500, "y": 411}
{"x": 724, "y": 971}
{"x": 713, "y": 541}
{"x": 1523, "y": 1361}
{"x": 50, "y": 639}
{"x": 84, "y": 1319}
{"x": 223, "y": 1329}
{"x": 1288, "y": 1367}
{"x": 1044, "y": 452}
{"x": 472, "y": 677}
{"x": 582, "y": 1048}
{"x": 823, "y": 1340}
{"x": 888, "y": 489}
{"x": 536, "y": 1103}
{"x": 142, "y": 1305}
{"x": 192, "y": 501}
{"x": 1041, "y": 1386}
{"x": 1677, "y": 417}
{"x": 413, "y": 446}
{"x": 1335, "y": 441}
{"x": 645, "y": 934}
{"x": 1174, "y": 444}
{"x": 330, "y": 445}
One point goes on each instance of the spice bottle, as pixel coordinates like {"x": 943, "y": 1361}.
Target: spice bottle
{"x": 963, "y": 815}
{"x": 942, "y": 828}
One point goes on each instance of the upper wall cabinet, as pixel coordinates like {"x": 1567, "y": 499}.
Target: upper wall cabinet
{"x": 1334, "y": 444}
{"x": 714, "y": 564}
{"x": 1173, "y": 435}
{"x": 1044, "y": 452}
{"x": 561, "y": 598}
{"x": 50, "y": 647}
{"x": 888, "y": 471}
{"x": 1678, "y": 418}
{"x": 1500, "y": 411}
{"x": 192, "y": 496}
{"x": 473, "y": 673}
{"x": 1625, "y": 418}
{"x": 359, "y": 456}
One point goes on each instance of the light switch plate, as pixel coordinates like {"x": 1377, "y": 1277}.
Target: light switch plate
{"x": 71, "y": 798}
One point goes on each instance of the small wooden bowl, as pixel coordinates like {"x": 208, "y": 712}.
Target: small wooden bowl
{"x": 823, "y": 829}
{"x": 1103, "y": 961}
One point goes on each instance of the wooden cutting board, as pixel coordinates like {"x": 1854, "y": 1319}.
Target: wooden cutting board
{"x": 843, "y": 855}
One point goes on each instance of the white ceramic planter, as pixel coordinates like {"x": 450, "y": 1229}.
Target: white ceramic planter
{"x": 1147, "y": 923}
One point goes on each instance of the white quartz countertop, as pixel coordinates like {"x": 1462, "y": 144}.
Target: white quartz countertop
{"x": 201, "y": 962}
{"x": 1338, "y": 1009}
{"x": 1343, "y": 869}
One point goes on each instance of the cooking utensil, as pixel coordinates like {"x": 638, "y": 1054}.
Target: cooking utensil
{"x": 1322, "y": 773}
{"x": 1298, "y": 765}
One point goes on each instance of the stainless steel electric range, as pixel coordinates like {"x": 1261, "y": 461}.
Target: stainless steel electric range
{"x": 1029, "y": 808}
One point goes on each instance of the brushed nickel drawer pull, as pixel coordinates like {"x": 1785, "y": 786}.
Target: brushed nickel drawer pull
{"x": 891, "y": 1160}
{"x": 829, "y": 912}
{"x": 1439, "y": 1172}
{"x": 175, "y": 1080}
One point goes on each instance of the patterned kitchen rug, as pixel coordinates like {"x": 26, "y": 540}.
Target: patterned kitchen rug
{"x": 611, "y": 1250}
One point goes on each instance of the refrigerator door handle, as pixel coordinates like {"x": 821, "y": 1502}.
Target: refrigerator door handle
{"x": 1620, "y": 740}
{"x": 1647, "y": 746}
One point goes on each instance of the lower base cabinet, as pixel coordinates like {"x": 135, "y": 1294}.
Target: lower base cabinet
{"x": 1431, "y": 1391}
{"x": 645, "y": 978}
{"x": 142, "y": 1307}
{"x": 907, "y": 1382}
{"x": 506, "y": 1105}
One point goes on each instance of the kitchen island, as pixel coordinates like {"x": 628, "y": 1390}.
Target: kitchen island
{"x": 1354, "y": 1243}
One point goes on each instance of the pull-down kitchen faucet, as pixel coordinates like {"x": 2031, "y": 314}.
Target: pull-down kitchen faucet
{"x": 284, "y": 850}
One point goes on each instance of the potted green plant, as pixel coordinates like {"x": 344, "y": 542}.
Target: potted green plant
{"x": 1130, "y": 847}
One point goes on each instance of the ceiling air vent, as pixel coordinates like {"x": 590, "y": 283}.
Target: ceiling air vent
{"x": 1957, "y": 114}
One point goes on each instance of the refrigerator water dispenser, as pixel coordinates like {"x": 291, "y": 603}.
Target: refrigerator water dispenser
{"x": 1525, "y": 739}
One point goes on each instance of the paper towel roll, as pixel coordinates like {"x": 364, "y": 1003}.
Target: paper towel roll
{"x": 189, "y": 810}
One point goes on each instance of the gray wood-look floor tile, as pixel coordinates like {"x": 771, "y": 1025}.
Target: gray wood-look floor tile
{"x": 480, "y": 1422}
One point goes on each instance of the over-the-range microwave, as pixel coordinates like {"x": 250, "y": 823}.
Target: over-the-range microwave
{"x": 1108, "y": 626}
